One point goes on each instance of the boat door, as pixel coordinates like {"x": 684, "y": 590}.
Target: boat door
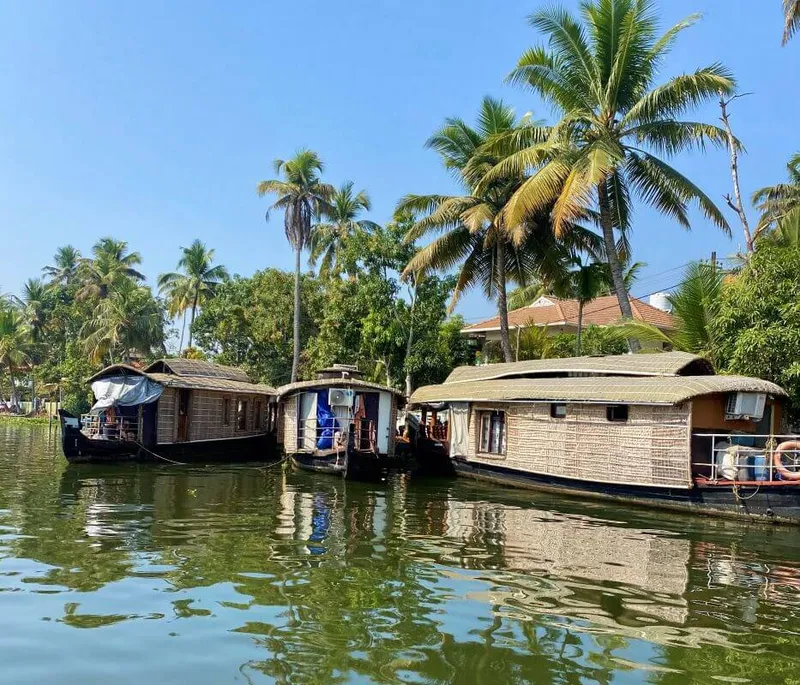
{"x": 183, "y": 414}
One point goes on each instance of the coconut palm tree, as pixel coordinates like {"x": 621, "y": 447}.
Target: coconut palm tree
{"x": 775, "y": 202}
{"x": 15, "y": 345}
{"x": 340, "y": 223}
{"x": 791, "y": 12}
{"x": 65, "y": 265}
{"x": 302, "y": 196}
{"x": 111, "y": 266}
{"x": 128, "y": 320}
{"x": 694, "y": 305}
{"x": 473, "y": 227}
{"x": 584, "y": 283}
{"x": 616, "y": 124}
{"x": 195, "y": 284}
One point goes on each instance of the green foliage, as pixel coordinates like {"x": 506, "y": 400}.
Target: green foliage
{"x": 249, "y": 323}
{"x": 756, "y": 331}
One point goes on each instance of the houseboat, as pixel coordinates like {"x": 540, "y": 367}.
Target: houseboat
{"x": 338, "y": 423}
{"x": 658, "y": 429}
{"x": 175, "y": 409}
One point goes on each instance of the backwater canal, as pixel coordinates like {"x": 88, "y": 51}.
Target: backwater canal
{"x": 240, "y": 574}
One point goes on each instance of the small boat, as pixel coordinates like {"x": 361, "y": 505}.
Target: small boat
{"x": 657, "y": 429}
{"x": 338, "y": 423}
{"x": 175, "y": 409}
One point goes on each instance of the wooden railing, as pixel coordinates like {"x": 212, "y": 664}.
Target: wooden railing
{"x": 98, "y": 427}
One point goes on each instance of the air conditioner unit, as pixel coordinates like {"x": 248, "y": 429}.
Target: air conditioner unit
{"x": 745, "y": 405}
{"x": 340, "y": 397}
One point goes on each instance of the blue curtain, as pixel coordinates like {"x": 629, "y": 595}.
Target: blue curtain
{"x": 326, "y": 422}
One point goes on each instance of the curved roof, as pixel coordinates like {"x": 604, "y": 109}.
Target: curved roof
{"x": 198, "y": 367}
{"x": 194, "y": 382}
{"x": 290, "y": 388}
{"x": 642, "y": 390}
{"x": 654, "y": 364}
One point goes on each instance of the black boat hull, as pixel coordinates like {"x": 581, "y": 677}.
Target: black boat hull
{"x": 353, "y": 465}
{"x": 78, "y": 449}
{"x": 774, "y": 503}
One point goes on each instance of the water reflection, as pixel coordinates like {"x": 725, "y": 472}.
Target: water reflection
{"x": 254, "y": 574}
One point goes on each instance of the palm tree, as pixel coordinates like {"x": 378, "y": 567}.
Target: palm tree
{"x": 111, "y": 266}
{"x": 301, "y": 195}
{"x": 694, "y": 305}
{"x": 584, "y": 283}
{"x": 775, "y": 202}
{"x": 474, "y": 230}
{"x": 599, "y": 74}
{"x": 32, "y": 306}
{"x": 196, "y": 284}
{"x": 15, "y": 344}
{"x": 65, "y": 265}
{"x": 330, "y": 238}
{"x": 791, "y": 11}
{"x": 128, "y": 320}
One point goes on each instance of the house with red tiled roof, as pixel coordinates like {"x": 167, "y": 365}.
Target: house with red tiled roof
{"x": 561, "y": 316}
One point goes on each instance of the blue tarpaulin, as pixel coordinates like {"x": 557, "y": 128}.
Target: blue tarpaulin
{"x": 326, "y": 422}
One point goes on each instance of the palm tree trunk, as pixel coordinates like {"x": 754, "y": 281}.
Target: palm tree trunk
{"x": 580, "y": 328}
{"x": 607, "y": 224}
{"x": 194, "y": 311}
{"x": 13, "y": 384}
{"x": 410, "y": 341}
{"x": 296, "y": 328}
{"x": 183, "y": 333}
{"x": 502, "y": 302}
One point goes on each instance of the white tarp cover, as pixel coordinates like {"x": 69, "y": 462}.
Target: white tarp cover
{"x": 459, "y": 429}
{"x": 124, "y": 391}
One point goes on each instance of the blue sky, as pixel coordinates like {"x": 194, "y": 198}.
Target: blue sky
{"x": 153, "y": 121}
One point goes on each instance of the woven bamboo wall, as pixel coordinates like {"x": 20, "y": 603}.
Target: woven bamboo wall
{"x": 651, "y": 448}
{"x": 166, "y": 416}
{"x": 206, "y": 415}
{"x": 289, "y": 432}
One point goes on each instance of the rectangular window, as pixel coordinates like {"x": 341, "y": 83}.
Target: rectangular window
{"x": 617, "y": 412}
{"x": 558, "y": 410}
{"x": 241, "y": 415}
{"x": 226, "y": 411}
{"x": 257, "y": 415}
{"x": 493, "y": 432}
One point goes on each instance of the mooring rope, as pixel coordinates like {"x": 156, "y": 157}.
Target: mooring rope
{"x": 158, "y": 456}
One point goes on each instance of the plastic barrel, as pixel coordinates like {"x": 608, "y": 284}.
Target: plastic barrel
{"x": 760, "y": 466}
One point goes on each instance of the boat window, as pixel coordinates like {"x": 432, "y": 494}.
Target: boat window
{"x": 241, "y": 415}
{"x": 558, "y": 410}
{"x": 493, "y": 432}
{"x": 257, "y": 415}
{"x": 226, "y": 411}
{"x": 617, "y": 412}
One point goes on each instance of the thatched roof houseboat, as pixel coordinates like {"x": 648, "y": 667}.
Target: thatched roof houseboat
{"x": 174, "y": 408}
{"x": 338, "y": 423}
{"x": 656, "y": 428}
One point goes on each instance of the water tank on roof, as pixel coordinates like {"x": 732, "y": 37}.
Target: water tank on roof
{"x": 661, "y": 301}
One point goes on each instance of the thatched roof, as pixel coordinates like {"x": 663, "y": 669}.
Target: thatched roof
{"x": 197, "y": 367}
{"x": 610, "y": 389}
{"x": 216, "y": 384}
{"x": 195, "y": 382}
{"x": 655, "y": 364}
{"x": 291, "y": 388}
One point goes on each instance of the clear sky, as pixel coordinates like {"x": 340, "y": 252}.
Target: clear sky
{"x": 153, "y": 121}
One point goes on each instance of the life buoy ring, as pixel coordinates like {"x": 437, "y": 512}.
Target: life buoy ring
{"x": 777, "y": 462}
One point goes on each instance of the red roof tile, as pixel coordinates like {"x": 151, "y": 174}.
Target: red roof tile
{"x": 602, "y": 311}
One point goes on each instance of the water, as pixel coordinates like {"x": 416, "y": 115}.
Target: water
{"x": 236, "y": 574}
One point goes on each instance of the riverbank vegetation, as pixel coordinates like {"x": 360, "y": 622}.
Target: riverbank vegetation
{"x": 541, "y": 208}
